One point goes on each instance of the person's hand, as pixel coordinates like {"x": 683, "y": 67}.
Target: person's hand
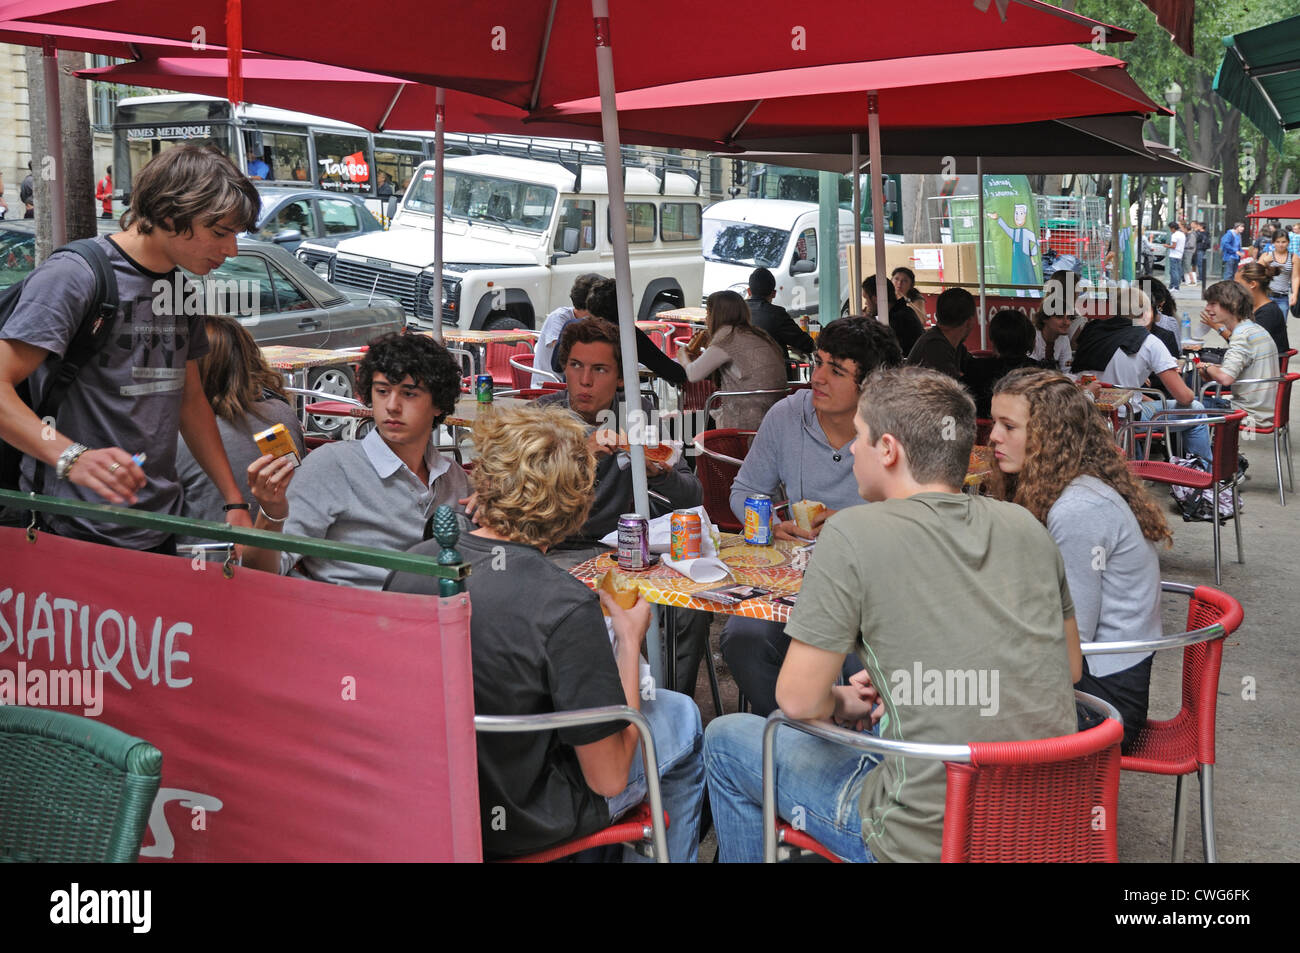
{"x": 1094, "y": 388}
{"x": 602, "y": 442}
{"x": 858, "y": 705}
{"x": 471, "y": 504}
{"x": 630, "y": 625}
{"x": 239, "y": 519}
{"x": 269, "y": 478}
{"x": 1204, "y": 371}
{"x": 110, "y": 472}
{"x": 789, "y": 529}
{"x": 655, "y": 468}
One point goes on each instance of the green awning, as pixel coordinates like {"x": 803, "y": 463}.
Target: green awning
{"x": 1260, "y": 75}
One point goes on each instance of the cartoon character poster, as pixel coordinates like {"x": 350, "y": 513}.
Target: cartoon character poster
{"x": 1011, "y": 252}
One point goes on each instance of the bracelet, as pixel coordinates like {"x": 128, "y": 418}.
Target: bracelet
{"x": 236, "y": 506}
{"x": 70, "y": 455}
{"x": 272, "y": 519}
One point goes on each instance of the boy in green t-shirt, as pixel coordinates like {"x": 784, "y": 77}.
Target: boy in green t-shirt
{"x": 956, "y": 605}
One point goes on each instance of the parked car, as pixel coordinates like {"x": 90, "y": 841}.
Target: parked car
{"x": 291, "y": 216}
{"x": 17, "y": 252}
{"x": 1159, "y": 249}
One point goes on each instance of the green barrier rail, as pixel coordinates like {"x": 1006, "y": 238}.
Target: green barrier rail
{"x": 224, "y": 533}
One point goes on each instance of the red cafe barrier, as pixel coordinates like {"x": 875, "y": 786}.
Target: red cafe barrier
{"x": 298, "y": 721}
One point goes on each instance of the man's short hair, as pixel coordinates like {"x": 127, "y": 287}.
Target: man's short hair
{"x": 533, "y": 474}
{"x": 191, "y": 184}
{"x": 1232, "y": 296}
{"x": 1238, "y": 224}
{"x": 869, "y": 289}
{"x": 930, "y": 415}
{"x": 954, "y": 308}
{"x": 866, "y": 341}
{"x": 591, "y": 330}
{"x": 761, "y": 284}
{"x": 581, "y": 288}
{"x": 1012, "y": 333}
{"x": 423, "y": 359}
{"x": 602, "y": 299}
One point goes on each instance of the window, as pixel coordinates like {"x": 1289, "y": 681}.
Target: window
{"x": 339, "y": 217}
{"x": 240, "y": 287}
{"x": 579, "y": 214}
{"x": 287, "y": 296}
{"x": 284, "y": 153}
{"x": 396, "y": 159}
{"x": 479, "y": 198}
{"x": 640, "y": 222}
{"x": 295, "y": 215}
{"x": 342, "y": 162}
{"x": 680, "y": 221}
{"x": 806, "y": 247}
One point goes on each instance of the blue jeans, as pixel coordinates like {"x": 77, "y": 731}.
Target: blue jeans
{"x": 675, "y": 724}
{"x": 1196, "y": 439}
{"x": 818, "y": 783}
{"x": 1229, "y": 268}
{"x": 1175, "y": 271}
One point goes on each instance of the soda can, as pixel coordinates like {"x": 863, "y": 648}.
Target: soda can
{"x": 483, "y": 388}
{"x": 685, "y": 540}
{"x": 758, "y": 519}
{"x": 633, "y": 542}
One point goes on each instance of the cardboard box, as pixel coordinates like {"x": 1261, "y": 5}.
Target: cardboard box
{"x": 930, "y": 261}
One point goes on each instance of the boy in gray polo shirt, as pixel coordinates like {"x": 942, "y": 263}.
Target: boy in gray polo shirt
{"x": 379, "y": 491}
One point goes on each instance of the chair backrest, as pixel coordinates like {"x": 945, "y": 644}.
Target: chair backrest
{"x": 1201, "y": 664}
{"x": 679, "y": 336}
{"x": 73, "y": 789}
{"x": 716, "y": 476}
{"x": 496, "y": 360}
{"x": 695, "y": 394}
{"x": 519, "y": 377}
{"x": 1048, "y": 800}
{"x": 1227, "y": 439}
{"x": 1284, "y": 360}
{"x": 1282, "y": 409}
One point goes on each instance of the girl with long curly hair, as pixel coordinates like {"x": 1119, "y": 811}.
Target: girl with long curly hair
{"x": 1063, "y": 466}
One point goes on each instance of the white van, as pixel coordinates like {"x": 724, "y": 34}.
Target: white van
{"x": 517, "y": 232}
{"x": 784, "y": 236}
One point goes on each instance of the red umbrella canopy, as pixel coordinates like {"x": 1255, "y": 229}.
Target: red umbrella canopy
{"x": 125, "y": 46}
{"x": 1286, "y": 210}
{"x": 539, "y": 52}
{"x": 959, "y": 89}
{"x": 365, "y": 99}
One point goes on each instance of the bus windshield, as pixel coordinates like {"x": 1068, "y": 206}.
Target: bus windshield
{"x": 145, "y": 130}
{"x": 514, "y": 205}
{"x": 739, "y": 243}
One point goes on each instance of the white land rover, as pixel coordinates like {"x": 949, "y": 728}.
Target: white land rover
{"x": 517, "y": 232}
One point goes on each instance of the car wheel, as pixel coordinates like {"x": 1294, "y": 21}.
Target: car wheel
{"x": 504, "y": 322}
{"x": 337, "y": 381}
{"x": 659, "y": 307}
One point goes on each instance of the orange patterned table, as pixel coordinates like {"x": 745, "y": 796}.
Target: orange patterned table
{"x": 767, "y": 567}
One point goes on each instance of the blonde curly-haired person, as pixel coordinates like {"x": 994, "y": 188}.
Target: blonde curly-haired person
{"x": 540, "y": 645}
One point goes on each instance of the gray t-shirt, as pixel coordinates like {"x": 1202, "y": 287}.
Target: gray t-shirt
{"x": 956, "y": 606}
{"x": 1113, "y": 570}
{"x": 202, "y": 499}
{"x": 129, "y": 395}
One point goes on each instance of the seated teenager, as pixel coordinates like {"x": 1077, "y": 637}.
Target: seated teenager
{"x": 1012, "y": 336}
{"x": 602, "y": 302}
{"x": 930, "y": 578}
{"x": 943, "y": 347}
{"x": 379, "y": 491}
{"x": 247, "y": 396}
{"x": 804, "y": 450}
{"x": 1251, "y": 354}
{"x": 1062, "y": 467}
{"x": 904, "y": 282}
{"x": 556, "y": 322}
{"x": 539, "y": 645}
{"x": 1052, "y": 323}
{"x": 902, "y": 316}
{"x": 772, "y": 318}
{"x": 1120, "y": 350}
{"x": 1257, "y": 280}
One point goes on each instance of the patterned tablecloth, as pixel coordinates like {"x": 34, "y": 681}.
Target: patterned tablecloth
{"x": 683, "y": 315}
{"x": 286, "y": 358}
{"x": 483, "y": 337}
{"x": 1112, "y": 398}
{"x": 765, "y": 566}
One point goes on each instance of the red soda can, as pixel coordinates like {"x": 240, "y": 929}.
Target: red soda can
{"x": 685, "y": 540}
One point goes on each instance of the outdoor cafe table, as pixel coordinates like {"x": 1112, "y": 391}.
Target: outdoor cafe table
{"x": 477, "y": 341}
{"x": 683, "y": 315}
{"x": 296, "y": 362}
{"x": 465, "y": 413}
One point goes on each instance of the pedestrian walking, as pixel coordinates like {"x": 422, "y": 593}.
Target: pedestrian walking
{"x": 104, "y": 192}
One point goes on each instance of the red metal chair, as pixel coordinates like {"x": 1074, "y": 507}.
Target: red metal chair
{"x": 695, "y": 394}
{"x": 1222, "y": 473}
{"x": 522, "y": 371}
{"x": 496, "y": 360}
{"x": 1279, "y": 430}
{"x": 1185, "y": 743}
{"x": 644, "y": 825}
{"x": 1007, "y": 801}
{"x": 679, "y": 335}
{"x": 721, "y": 452}
{"x": 1284, "y": 359}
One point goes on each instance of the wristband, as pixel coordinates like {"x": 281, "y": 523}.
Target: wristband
{"x": 236, "y": 506}
{"x": 70, "y": 455}
{"x": 272, "y": 519}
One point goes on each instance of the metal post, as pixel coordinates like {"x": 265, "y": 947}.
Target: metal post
{"x": 855, "y": 269}
{"x": 54, "y": 143}
{"x": 877, "y": 204}
{"x": 622, "y": 273}
{"x": 1173, "y": 182}
{"x": 440, "y": 110}
{"x": 979, "y": 250}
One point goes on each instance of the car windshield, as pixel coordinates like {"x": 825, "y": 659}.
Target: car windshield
{"x": 17, "y": 256}
{"x": 514, "y": 205}
{"x": 739, "y": 243}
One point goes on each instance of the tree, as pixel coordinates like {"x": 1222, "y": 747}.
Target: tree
{"x": 75, "y": 173}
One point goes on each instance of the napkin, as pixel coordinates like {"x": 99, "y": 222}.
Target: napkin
{"x": 707, "y": 568}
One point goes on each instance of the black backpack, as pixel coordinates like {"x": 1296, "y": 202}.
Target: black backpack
{"x": 96, "y": 326}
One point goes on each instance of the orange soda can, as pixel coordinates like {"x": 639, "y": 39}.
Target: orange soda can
{"x": 684, "y": 541}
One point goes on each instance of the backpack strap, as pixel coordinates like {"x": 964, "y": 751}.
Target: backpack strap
{"x": 89, "y": 338}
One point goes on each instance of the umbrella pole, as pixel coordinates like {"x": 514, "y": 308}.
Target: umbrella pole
{"x": 855, "y": 271}
{"x": 623, "y": 276}
{"x": 438, "y": 182}
{"x": 54, "y": 142}
{"x": 877, "y": 204}
{"x": 979, "y": 199}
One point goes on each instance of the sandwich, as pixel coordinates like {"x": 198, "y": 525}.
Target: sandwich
{"x": 621, "y": 587}
{"x": 804, "y": 512}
